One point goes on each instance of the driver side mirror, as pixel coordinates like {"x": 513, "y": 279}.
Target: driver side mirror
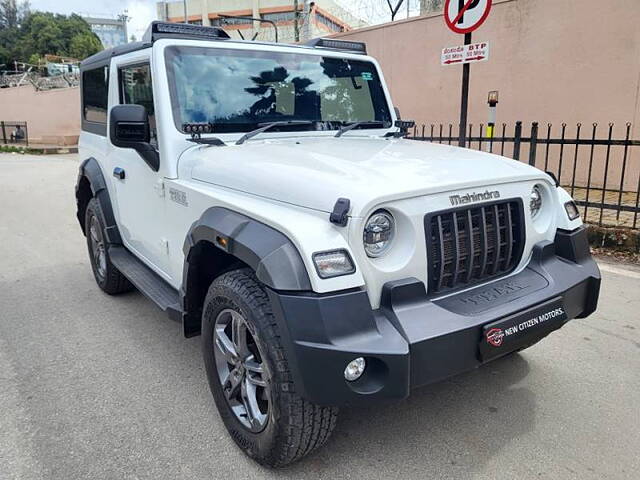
{"x": 129, "y": 128}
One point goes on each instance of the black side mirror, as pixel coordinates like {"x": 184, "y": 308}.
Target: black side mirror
{"x": 129, "y": 128}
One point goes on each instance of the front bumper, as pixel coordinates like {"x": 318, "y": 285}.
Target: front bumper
{"x": 412, "y": 341}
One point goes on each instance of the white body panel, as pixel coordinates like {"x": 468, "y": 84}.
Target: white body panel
{"x": 291, "y": 181}
{"x": 369, "y": 170}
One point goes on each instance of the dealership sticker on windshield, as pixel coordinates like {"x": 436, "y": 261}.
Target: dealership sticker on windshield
{"x": 368, "y": 76}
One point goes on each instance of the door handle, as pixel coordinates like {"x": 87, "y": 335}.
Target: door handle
{"x": 118, "y": 173}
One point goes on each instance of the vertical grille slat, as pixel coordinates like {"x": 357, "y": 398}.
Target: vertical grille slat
{"x": 471, "y": 245}
{"x": 485, "y": 245}
{"x": 456, "y": 249}
{"x": 496, "y": 255}
{"x": 470, "y": 250}
{"x": 509, "y": 231}
{"x": 442, "y": 256}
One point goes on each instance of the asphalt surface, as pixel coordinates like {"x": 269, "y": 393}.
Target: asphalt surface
{"x": 93, "y": 386}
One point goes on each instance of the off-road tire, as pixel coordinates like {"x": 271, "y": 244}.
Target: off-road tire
{"x": 111, "y": 281}
{"x": 295, "y": 427}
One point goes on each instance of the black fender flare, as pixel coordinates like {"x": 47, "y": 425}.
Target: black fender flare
{"x": 90, "y": 169}
{"x": 270, "y": 253}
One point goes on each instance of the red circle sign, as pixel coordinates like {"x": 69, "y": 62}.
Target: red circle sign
{"x": 464, "y": 16}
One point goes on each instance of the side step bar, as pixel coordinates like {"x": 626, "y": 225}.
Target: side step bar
{"x": 147, "y": 281}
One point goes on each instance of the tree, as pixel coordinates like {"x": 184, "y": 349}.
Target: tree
{"x": 394, "y": 10}
{"x": 428, "y": 6}
{"x": 30, "y": 34}
{"x": 12, "y": 14}
{"x": 8, "y": 14}
{"x": 84, "y": 44}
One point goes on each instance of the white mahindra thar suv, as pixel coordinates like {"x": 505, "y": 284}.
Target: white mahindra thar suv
{"x": 263, "y": 195}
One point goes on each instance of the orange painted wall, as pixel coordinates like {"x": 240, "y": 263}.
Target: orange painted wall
{"x": 552, "y": 61}
{"x": 51, "y": 113}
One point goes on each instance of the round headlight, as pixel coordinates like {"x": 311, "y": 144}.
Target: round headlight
{"x": 378, "y": 233}
{"x": 535, "y": 200}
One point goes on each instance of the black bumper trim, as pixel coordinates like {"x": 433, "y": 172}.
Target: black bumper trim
{"x": 412, "y": 340}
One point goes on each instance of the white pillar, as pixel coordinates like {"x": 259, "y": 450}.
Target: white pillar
{"x": 204, "y": 9}
{"x": 305, "y": 34}
{"x": 256, "y": 14}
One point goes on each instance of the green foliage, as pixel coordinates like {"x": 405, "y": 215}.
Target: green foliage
{"x": 25, "y": 35}
{"x": 13, "y": 149}
{"x": 84, "y": 44}
{"x": 35, "y": 59}
{"x": 10, "y": 13}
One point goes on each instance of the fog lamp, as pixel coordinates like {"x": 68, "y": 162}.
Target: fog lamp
{"x": 355, "y": 369}
{"x": 572, "y": 210}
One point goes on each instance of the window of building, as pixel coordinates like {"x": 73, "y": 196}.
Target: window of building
{"x": 223, "y": 22}
{"x": 136, "y": 88}
{"x": 336, "y": 27}
{"x": 280, "y": 16}
{"x": 95, "y": 95}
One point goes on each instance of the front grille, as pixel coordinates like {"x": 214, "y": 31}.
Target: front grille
{"x": 470, "y": 245}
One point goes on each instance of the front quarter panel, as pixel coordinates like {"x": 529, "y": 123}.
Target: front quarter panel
{"x": 310, "y": 231}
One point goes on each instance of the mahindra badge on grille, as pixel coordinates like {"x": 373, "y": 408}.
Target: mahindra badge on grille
{"x": 473, "y": 197}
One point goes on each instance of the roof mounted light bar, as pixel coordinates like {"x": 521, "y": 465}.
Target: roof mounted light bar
{"x": 158, "y": 30}
{"x": 342, "y": 45}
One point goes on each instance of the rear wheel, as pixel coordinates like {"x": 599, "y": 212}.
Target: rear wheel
{"x": 107, "y": 276}
{"x": 249, "y": 375}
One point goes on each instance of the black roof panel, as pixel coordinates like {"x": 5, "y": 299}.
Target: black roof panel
{"x": 104, "y": 56}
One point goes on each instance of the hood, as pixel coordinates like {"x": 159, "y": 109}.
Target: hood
{"x": 314, "y": 172}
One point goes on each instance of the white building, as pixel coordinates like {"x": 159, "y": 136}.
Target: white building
{"x": 111, "y": 31}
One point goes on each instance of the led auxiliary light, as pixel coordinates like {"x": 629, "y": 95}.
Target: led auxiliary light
{"x": 535, "y": 200}
{"x": 378, "y": 233}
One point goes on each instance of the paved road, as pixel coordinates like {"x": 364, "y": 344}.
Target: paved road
{"x": 93, "y": 386}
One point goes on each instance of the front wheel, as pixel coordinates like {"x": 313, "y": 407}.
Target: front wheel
{"x": 249, "y": 375}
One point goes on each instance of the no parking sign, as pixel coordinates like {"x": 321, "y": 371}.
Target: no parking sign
{"x": 464, "y": 16}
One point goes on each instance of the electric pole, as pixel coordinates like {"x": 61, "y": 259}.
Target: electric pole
{"x": 296, "y": 26}
{"x": 306, "y": 20}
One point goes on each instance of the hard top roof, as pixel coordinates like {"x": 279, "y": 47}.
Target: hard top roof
{"x": 158, "y": 30}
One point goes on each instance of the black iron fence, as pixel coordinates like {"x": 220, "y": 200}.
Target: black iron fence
{"x": 14, "y": 133}
{"x": 599, "y": 168}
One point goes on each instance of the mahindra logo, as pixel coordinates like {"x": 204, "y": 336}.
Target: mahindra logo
{"x": 495, "y": 337}
{"x": 473, "y": 197}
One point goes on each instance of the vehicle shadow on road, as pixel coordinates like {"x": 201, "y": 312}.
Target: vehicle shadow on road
{"x": 452, "y": 427}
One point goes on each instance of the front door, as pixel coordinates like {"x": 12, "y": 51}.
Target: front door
{"x": 140, "y": 193}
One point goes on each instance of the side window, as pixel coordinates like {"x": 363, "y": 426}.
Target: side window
{"x": 136, "y": 88}
{"x": 95, "y": 99}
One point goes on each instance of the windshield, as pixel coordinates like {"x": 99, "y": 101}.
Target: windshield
{"x": 237, "y": 90}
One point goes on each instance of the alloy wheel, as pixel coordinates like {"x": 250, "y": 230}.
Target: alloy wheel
{"x": 241, "y": 370}
{"x": 98, "y": 248}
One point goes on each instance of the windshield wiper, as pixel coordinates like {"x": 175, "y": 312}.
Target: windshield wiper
{"x": 353, "y": 125}
{"x": 266, "y": 126}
